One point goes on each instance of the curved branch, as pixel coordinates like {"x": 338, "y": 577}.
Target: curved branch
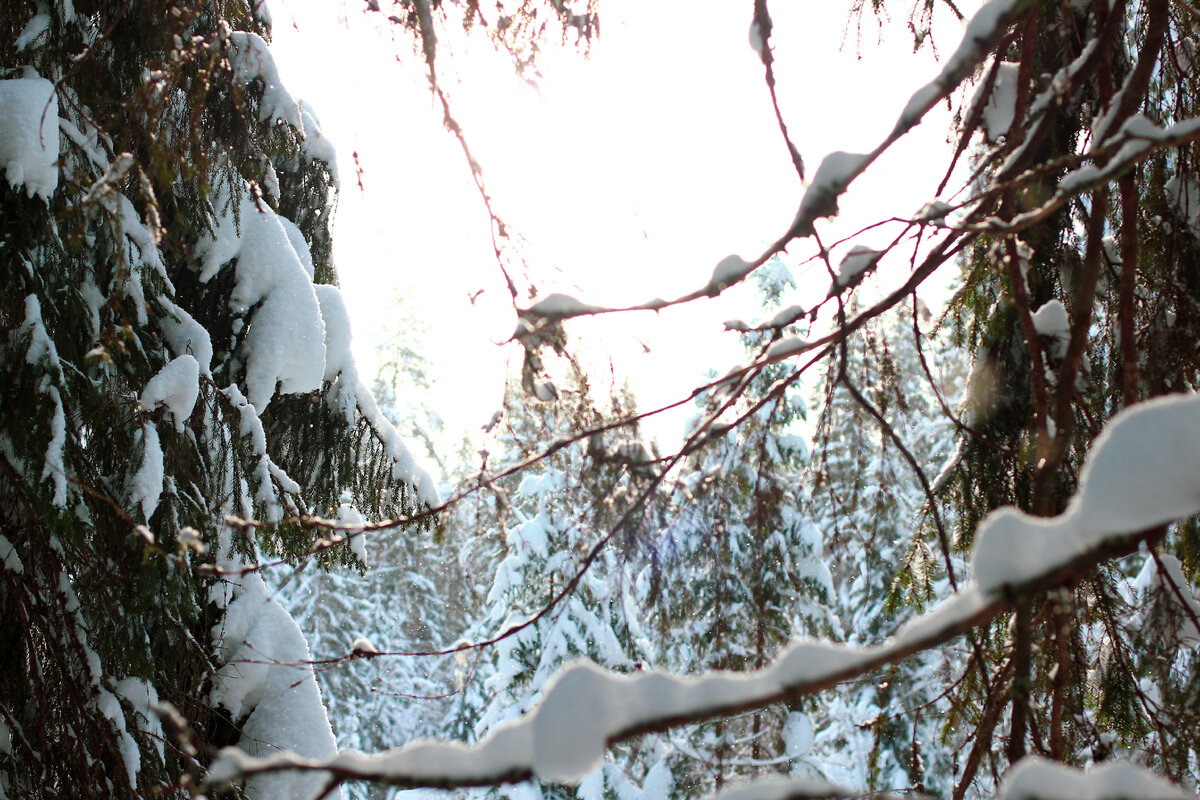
{"x": 586, "y": 709}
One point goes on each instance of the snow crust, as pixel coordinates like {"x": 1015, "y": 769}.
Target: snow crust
{"x": 142, "y": 697}
{"x": 854, "y": 267}
{"x": 1035, "y": 778}
{"x": 1142, "y": 471}
{"x": 786, "y": 348}
{"x": 317, "y": 146}
{"x": 786, "y": 316}
{"x": 350, "y": 523}
{"x": 729, "y": 270}
{"x": 145, "y": 486}
{"x": 560, "y": 306}
{"x": 758, "y": 42}
{"x": 176, "y": 386}
{"x": 185, "y": 336}
{"x": 43, "y": 353}
{"x": 108, "y": 705}
{"x": 1183, "y": 196}
{"x": 341, "y": 373}
{"x": 41, "y": 346}
{"x": 296, "y": 237}
{"x": 37, "y": 25}
{"x": 9, "y": 557}
{"x": 831, "y": 180}
{"x": 29, "y": 134}
{"x": 362, "y": 646}
{"x": 935, "y": 211}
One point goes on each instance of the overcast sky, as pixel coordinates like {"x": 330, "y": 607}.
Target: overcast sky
{"x": 630, "y": 173}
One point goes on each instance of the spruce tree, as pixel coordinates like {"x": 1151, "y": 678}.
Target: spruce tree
{"x": 885, "y": 733}
{"x": 1070, "y": 320}
{"x": 554, "y": 516}
{"x": 180, "y": 401}
{"x": 740, "y": 568}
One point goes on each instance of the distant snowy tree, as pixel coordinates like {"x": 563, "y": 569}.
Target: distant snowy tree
{"x": 552, "y": 516}
{"x": 882, "y": 540}
{"x": 740, "y": 569}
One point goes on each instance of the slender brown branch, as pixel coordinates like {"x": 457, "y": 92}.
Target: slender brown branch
{"x": 1125, "y": 305}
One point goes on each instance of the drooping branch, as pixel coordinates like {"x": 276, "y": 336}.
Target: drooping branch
{"x": 586, "y": 709}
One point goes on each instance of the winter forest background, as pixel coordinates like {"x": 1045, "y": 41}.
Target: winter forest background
{"x": 935, "y": 534}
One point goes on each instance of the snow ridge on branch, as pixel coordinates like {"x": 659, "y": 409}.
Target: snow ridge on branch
{"x": 586, "y": 709}
{"x": 833, "y": 176}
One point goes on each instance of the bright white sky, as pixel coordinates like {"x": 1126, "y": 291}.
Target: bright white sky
{"x": 631, "y": 173}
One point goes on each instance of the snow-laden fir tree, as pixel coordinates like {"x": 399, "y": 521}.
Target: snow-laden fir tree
{"x": 740, "y": 568}
{"x": 555, "y": 516}
{"x": 882, "y": 541}
{"x": 180, "y": 400}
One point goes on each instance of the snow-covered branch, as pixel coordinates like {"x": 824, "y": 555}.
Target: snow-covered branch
{"x": 586, "y": 709}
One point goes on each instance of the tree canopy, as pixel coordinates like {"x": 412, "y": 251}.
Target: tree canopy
{"x": 979, "y": 582}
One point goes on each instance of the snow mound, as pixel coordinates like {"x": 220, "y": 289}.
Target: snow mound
{"x": 251, "y": 60}
{"x": 176, "y": 386}
{"x": 1034, "y": 778}
{"x": 1051, "y": 321}
{"x": 317, "y": 146}
{"x": 729, "y": 270}
{"x": 266, "y": 675}
{"x": 29, "y": 135}
{"x": 833, "y": 177}
{"x": 184, "y": 335}
{"x": 1001, "y": 108}
{"x": 9, "y": 557}
{"x": 1183, "y": 196}
{"x": 560, "y": 306}
{"x": 855, "y": 266}
{"x": 145, "y": 487}
{"x": 341, "y": 373}
{"x": 1142, "y": 471}
{"x": 285, "y": 344}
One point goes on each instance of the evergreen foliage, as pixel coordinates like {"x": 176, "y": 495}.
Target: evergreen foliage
{"x": 183, "y": 220}
{"x": 883, "y": 558}
{"x": 739, "y": 570}
{"x": 1118, "y": 257}
{"x": 555, "y": 517}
